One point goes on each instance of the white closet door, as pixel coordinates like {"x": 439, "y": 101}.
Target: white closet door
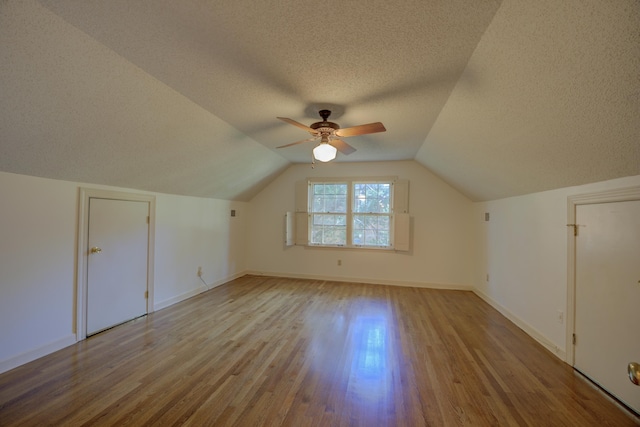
{"x": 117, "y": 266}
{"x": 608, "y": 296}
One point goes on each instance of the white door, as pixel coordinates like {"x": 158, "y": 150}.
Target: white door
{"x": 607, "y": 312}
{"x": 117, "y": 265}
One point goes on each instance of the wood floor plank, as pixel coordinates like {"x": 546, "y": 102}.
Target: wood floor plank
{"x": 291, "y": 352}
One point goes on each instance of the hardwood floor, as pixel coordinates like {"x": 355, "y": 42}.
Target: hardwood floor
{"x": 272, "y": 351}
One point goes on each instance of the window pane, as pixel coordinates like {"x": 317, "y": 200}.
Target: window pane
{"x": 370, "y": 222}
{"x": 329, "y": 204}
{"x": 335, "y": 203}
{"x": 371, "y": 197}
{"x": 371, "y": 230}
{"x": 318, "y": 204}
{"x": 329, "y": 198}
{"x": 316, "y": 235}
{"x": 335, "y": 236}
{"x": 329, "y": 229}
{"x": 329, "y": 220}
{"x": 371, "y": 191}
{"x": 370, "y": 238}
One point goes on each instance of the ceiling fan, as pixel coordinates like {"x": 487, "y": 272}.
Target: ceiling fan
{"x": 329, "y": 134}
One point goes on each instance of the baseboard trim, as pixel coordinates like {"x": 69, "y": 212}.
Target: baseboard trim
{"x": 192, "y": 293}
{"x": 31, "y": 355}
{"x": 528, "y": 329}
{"x": 173, "y": 300}
{"x": 426, "y": 285}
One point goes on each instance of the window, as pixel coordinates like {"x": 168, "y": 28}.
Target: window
{"x": 351, "y": 213}
{"x": 329, "y": 214}
{"x": 372, "y": 214}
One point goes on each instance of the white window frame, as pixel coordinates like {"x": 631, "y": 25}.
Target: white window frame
{"x": 398, "y": 211}
{"x": 312, "y": 213}
{"x": 390, "y": 215}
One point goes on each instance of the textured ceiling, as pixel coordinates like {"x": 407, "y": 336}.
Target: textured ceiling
{"x": 498, "y": 98}
{"x": 555, "y": 101}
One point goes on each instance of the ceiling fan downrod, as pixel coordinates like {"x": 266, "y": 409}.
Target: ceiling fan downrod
{"x": 324, "y": 114}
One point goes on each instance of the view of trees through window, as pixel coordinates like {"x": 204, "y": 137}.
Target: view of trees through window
{"x": 350, "y": 213}
{"x": 371, "y": 218}
{"x": 329, "y": 214}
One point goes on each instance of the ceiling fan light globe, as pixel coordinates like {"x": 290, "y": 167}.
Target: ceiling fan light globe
{"x": 324, "y": 152}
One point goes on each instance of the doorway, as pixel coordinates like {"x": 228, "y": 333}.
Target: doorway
{"x": 115, "y": 259}
{"x": 605, "y": 290}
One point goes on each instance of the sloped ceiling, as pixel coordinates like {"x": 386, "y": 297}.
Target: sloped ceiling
{"x": 553, "y": 101}
{"x": 498, "y": 98}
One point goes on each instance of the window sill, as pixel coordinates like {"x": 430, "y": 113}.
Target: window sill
{"x": 353, "y": 247}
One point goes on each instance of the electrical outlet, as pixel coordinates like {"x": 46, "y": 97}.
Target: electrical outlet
{"x": 199, "y": 271}
{"x": 487, "y": 277}
{"x": 560, "y": 316}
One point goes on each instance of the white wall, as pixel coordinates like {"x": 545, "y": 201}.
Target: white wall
{"x": 523, "y": 249}
{"x": 442, "y": 232}
{"x": 195, "y": 232}
{"x": 38, "y": 234}
{"x": 37, "y": 264}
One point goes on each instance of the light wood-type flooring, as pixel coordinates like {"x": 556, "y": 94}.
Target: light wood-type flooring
{"x": 272, "y": 351}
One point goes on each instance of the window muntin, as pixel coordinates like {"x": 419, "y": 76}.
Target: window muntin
{"x": 351, "y": 213}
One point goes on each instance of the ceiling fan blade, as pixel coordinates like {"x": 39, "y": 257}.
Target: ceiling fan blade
{"x": 361, "y": 130}
{"x": 298, "y": 124}
{"x": 298, "y": 142}
{"x": 342, "y": 146}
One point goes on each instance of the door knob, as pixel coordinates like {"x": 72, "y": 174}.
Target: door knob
{"x": 634, "y": 372}
{"x": 95, "y": 250}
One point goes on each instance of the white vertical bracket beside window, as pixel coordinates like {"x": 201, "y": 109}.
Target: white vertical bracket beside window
{"x": 289, "y": 236}
{"x": 402, "y": 232}
{"x": 401, "y": 196}
{"x": 301, "y": 214}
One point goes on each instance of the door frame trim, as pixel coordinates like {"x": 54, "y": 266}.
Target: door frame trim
{"x": 83, "y": 249}
{"x": 607, "y": 196}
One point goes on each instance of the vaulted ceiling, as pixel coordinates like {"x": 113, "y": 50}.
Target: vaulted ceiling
{"x": 499, "y": 98}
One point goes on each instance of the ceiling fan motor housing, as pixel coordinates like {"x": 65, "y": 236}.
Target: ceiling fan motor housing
{"x": 325, "y": 127}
